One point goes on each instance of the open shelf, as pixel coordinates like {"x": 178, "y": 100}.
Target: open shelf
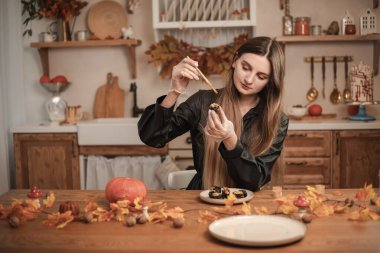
{"x": 374, "y": 38}
{"x": 130, "y": 44}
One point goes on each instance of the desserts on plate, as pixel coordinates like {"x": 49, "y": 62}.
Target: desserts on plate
{"x": 217, "y": 192}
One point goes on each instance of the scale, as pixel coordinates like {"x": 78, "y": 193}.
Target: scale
{"x": 362, "y": 114}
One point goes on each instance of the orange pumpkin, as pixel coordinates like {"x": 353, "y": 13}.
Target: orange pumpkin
{"x": 121, "y": 188}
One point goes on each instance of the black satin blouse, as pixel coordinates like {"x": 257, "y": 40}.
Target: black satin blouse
{"x": 158, "y": 125}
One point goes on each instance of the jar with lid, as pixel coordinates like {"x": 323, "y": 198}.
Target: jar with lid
{"x": 302, "y": 26}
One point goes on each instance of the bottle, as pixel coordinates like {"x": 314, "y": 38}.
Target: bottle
{"x": 287, "y": 21}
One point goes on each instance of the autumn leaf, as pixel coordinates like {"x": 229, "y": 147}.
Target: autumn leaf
{"x": 90, "y": 206}
{"x": 230, "y": 200}
{"x": 118, "y": 212}
{"x": 206, "y": 217}
{"x": 49, "y": 201}
{"x": 323, "y": 210}
{"x": 261, "y": 210}
{"x": 175, "y": 212}
{"x": 246, "y": 208}
{"x": 59, "y": 220}
{"x": 363, "y": 214}
{"x": 366, "y": 193}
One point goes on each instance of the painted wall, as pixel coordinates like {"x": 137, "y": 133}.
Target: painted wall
{"x": 87, "y": 67}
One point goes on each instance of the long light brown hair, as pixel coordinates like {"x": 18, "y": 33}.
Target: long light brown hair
{"x": 265, "y": 127}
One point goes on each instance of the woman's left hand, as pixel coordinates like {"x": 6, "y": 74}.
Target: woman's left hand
{"x": 218, "y": 126}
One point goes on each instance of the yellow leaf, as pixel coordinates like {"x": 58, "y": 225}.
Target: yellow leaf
{"x": 262, "y": 210}
{"x": 246, "y": 208}
{"x": 230, "y": 200}
{"x": 49, "y": 201}
{"x": 323, "y": 210}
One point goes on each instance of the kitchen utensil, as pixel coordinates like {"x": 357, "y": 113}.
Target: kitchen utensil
{"x": 115, "y": 100}
{"x": 101, "y": 98}
{"x": 106, "y": 18}
{"x": 312, "y": 93}
{"x": 347, "y": 90}
{"x": 323, "y": 76}
{"x": 206, "y": 80}
{"x": 335, "y": 96}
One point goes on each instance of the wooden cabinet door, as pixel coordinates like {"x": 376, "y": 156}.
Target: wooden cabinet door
{"x": 356, "y": 158}
{"x": 48, "y": 161}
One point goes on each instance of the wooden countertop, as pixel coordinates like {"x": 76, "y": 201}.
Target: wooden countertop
{"x": 328, "y": 234}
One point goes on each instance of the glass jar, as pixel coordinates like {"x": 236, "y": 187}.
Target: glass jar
{"x": 302, "y": 26}
{"x": 56, "y": 108}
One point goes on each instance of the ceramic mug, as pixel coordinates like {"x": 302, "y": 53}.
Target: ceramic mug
{"x": 73, "y": 114}
{"x": 47, "y": 37}
{"x": 82, "y": 35}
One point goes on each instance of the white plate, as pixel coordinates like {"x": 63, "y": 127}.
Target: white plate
{"x": 257, "y": 230}
{"x": 204, "y": 196}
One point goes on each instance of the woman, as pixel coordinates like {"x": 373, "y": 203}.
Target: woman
{"x": 237, "y": 145}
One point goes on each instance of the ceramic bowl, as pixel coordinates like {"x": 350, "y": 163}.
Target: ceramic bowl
{"x": 297, "y": 111}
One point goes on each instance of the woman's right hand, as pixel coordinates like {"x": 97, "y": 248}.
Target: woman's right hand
{"x": 182, "y": 73}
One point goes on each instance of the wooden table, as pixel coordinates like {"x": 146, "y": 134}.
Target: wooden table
{"x": 328, "y": 234}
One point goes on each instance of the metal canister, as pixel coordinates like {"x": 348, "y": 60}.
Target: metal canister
{"x": 316, "y": 30}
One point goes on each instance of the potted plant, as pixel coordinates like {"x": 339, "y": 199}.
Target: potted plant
{"x": 62, "y": 11}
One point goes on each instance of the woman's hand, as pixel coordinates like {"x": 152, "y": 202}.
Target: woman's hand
{"x": 182, "y": 73}
{"x": 218, "y": 126}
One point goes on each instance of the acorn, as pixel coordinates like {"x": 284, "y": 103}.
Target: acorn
{"x": 178, "y": 222}
{"x": 142, "y": 219}
{"x": 131, "y": 221}
{"x": 14, "y": 221}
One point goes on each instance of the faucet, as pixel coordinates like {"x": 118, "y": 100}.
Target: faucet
{"x": 135, "y": 110}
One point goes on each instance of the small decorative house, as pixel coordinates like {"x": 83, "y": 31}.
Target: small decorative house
{"x": 348, "y": 19}
{"x": 367, "y": 22}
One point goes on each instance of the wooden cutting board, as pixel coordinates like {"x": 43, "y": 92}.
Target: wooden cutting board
{"x": 109, "y": 99}
{"x": 115, "y": 100}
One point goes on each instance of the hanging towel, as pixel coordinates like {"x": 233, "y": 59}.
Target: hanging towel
{"x": 100, "y": 170}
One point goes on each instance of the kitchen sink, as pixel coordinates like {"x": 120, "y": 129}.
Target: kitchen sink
{"x": 108, "y": 131}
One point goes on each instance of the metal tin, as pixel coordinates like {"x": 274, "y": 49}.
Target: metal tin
{"x": 316, "y": 30}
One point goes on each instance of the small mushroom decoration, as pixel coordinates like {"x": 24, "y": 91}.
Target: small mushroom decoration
{"x": 34, "y": 193}
{"x": 302, "y": 203}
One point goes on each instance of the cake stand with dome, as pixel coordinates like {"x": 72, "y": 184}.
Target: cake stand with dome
{"x": 56, "y": 105}
{"x": 362, "y": 114}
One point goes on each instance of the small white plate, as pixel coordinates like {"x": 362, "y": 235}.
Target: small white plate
{"x": 204, "y": 196}
{"x": 257, "y": 230}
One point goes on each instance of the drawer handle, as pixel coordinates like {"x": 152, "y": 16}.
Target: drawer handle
{"x": 304, "y": 163}
{"x": 188, "y": 140}
{"x": 297, "y": 135}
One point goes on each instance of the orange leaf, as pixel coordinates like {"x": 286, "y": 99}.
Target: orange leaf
{"x": 90, "y": 206}
{"x": 323, "y": 210}
{"x": 175, "y": 212}
{"x": 206, "y": 217}
{"x": 59, "y": 220}
{"x": 230, "y": 200}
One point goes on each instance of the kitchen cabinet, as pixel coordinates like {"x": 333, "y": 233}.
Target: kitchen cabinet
{"x": 46, "y": 160}
{"x": 305, "y": 160}
{"x": 204, "y": 23}
{"x": 374, "y": 38}
{"x": 130, "y": 44}
{"x": 356, "y": 158}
